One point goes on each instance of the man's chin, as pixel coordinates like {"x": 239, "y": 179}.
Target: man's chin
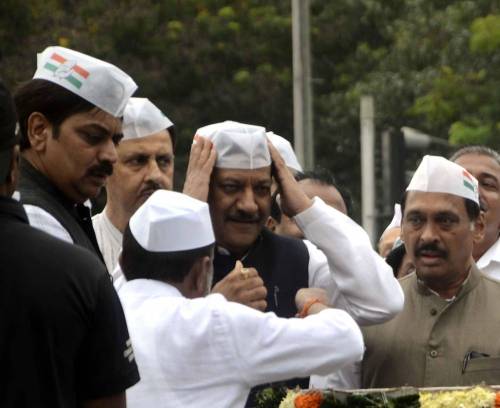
{"x": 240, "y": 241}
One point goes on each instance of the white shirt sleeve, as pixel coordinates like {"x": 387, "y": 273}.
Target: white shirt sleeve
{"x": 268, "y": 348}
{"x": 355, "y": 276}
{"x": 41, "y": 219}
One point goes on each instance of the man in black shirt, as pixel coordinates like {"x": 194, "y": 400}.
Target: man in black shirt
{"x": 63, "y": 336}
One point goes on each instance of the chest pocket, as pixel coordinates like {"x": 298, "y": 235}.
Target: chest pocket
{"x": 481, "y": 369}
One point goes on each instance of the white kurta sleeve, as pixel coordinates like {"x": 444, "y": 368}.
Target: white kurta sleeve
{"x": 41, "y": 219}
{"x": 269, "y": 348}
{"x": 355, "y": 276}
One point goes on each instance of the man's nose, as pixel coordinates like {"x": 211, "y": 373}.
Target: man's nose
{"x": 429, "y": 232}
{"x": 153, "y": 172}
{"x": 246, "y": 202}
{"x": 108, "y": 152}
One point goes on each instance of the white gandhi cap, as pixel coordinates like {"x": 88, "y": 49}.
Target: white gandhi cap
{"x": 285, "y": 150}
{"x": 142, "y": 118}
{"x": 96, "y": 81}
{"x": 169, "y": 221}
{"x": 439, "y": 175}
{"x": 238, "y": 145}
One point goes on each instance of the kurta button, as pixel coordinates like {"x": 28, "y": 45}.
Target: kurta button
{"x": 433, "y": 353}
{"x": 433, "y": 312}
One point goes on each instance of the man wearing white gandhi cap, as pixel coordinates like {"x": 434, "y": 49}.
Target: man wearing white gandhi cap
{"x": 195, "y": 351}
{"x": 447, "y": 334}
{"x": 355, "y": 277}
{"x": 70, "y": 122}
{"x": 145, "y": 164}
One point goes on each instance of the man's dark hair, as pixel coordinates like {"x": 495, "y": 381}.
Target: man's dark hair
{"x": 173, "y": 136}
{"x": 324, "y": 177}
{"x": 8, "y": 137}
{"x": 395, "y": 258}
{"x": 472, "y": 208}
{"x": 476, "y": 149}
{"x": 275, "y": 209}
{"x": 137, "y": 263}
{"x": 53, "y": 101}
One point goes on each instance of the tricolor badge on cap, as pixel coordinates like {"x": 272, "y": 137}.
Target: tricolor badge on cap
{"x": 99, "y": 82}
{"x": 67, "y": 69}
{"x": 469, "y": 181}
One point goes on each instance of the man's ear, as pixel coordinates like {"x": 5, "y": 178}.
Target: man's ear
{"x": 200, "y": 273}
{"x": 39, "y": 130}
{"x": 478, "y": 228}
{"x": 271, "y": 224}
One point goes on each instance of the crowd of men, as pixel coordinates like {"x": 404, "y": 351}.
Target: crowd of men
{"x": 254, "y": 274}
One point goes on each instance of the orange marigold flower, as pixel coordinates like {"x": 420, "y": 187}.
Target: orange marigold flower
{"x": 309, "y": 400}
{"x": 497, "y": 400}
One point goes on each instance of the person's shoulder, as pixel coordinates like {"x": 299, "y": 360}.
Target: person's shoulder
{"x": 55, "y": 251}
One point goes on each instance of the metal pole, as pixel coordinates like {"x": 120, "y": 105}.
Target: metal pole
{"x": 302, "y": 89}
{"x": 367, "y": 119}
{"x": 387, "y": 176}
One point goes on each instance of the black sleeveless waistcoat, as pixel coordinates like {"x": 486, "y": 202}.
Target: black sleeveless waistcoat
{"x": 37, "y": 190}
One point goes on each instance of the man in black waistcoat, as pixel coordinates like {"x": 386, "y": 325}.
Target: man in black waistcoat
{"x": 63, "y": 336}
{"x": 70, "y": 121}
{"x": 239, "y": 195}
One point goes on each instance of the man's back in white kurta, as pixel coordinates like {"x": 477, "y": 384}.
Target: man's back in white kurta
{"x": 210, "y": 352}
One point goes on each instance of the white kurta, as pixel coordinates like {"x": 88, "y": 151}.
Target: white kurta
{"x": 357, "y": 278}
{"x": 109, "y": 239}
{"x": 209, "y": 352}
{"x": 489, "y": 263}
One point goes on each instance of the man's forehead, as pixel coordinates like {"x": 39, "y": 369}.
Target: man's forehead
{"x": 433, "y": 202}
{"x": 479, "y": 164}
{"x": 96, "y": 120}
{"x": 158, "y": 142}
{"x": 261, "y": 174}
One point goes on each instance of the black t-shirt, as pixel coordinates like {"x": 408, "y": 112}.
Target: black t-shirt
{"x": 63, "y": 335}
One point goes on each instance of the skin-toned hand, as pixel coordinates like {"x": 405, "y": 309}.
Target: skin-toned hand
{"x": 243, "y": 285}
{"x": 292, "y": 199}
{"x": 307, "y": 295}
{"x": 201, "y": 163}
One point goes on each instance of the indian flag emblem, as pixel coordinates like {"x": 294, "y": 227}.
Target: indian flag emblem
{"x": 468, "y": 181}
{"x": 66, "y": 69}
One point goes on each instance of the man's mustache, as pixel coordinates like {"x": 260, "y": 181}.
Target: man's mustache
{"x": 151, "y": 187}
{"x": 242, "y": 216}
{"x": 104, "y": 168}
{"x": 431, "y": 247}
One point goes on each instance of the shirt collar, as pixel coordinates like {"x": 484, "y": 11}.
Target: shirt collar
{"x": 467, "y": 285}
{"x": 151, "y": 288}
{"x": 491, "y": 255}
{"x": 225, "y": 252}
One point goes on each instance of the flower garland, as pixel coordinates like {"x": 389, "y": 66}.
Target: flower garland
{"x": 477, "y": 397}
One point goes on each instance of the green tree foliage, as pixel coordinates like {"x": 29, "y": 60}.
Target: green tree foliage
{"x": 431, "y": 64}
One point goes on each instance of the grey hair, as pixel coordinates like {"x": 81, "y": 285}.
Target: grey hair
{"x": 476, "y": 149}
